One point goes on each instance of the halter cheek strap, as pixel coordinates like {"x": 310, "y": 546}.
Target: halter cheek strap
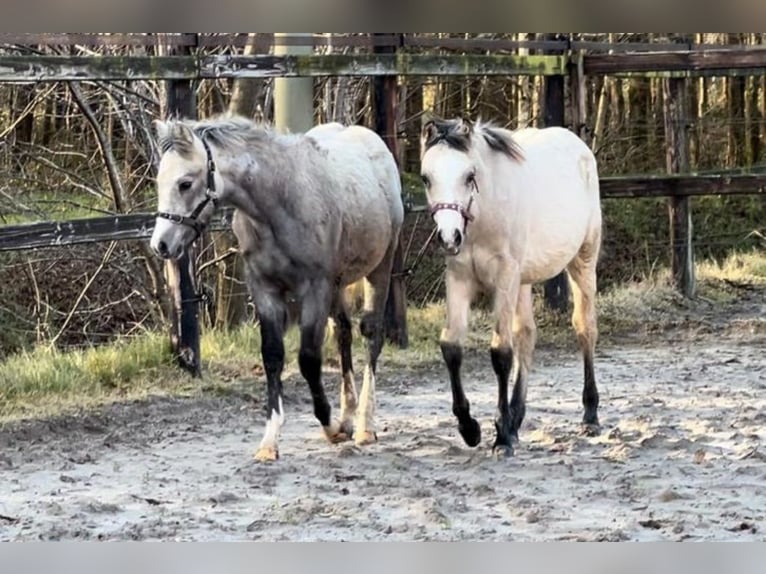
{"x": 464, "y": 211}
{"x": 192, "y": 220}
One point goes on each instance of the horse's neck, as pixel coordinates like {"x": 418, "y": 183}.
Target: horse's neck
{"x": 257, "y": 177}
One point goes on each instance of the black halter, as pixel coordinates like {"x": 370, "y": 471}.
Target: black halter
{"x": 210, "y": 196}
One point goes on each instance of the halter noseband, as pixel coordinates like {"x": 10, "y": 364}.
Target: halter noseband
{"x": 192, "y": 219}
{"x": 455, "y": 206}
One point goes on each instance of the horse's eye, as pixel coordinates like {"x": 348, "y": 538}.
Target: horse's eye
{"x": 185, "y": 186}
{"x": 470, "y": 178}
{"x": 426, "y": 181}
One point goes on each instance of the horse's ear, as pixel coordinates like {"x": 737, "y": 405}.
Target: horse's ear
{"x": 161, "y": 129}
{"x": 182, "y": 135}
{"x": 464, "y": 127}
{"x": 429, "y": 131}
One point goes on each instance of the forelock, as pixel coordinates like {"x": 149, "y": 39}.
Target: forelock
{"x": 449, "y": 133}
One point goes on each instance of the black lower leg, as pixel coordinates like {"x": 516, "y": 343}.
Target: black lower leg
{"x": 310, "y": 363}
{"x": 273, "y": 355}
{"x": 371, "y": 327}
{"x": 518, "y": 404}
{"x": 502, "y": 360}
{"x": 590, "y": 392}
{"x": 343, "y": 324}
{"x": 468, "y": 427}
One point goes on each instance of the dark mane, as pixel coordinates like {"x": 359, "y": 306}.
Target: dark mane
{"x": 500, "y": 142}
{"x": 447, "y": 132}
{"x": 458, "y": 134}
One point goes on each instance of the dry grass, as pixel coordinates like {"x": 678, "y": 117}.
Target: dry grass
{"x": 44, "y": 382}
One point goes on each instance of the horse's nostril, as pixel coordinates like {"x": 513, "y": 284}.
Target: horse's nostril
{"x": 162, "y": 248}
{"x": 458, "y": 238}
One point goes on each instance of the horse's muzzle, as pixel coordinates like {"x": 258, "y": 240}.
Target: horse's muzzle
{"x": 161, "y": 249}
{"x": 451, "y": 245}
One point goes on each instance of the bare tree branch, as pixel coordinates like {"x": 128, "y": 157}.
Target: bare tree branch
{"x": 121, "y": 202}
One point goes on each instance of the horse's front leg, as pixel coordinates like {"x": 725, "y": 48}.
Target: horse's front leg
{"x": 272, "y": 317}
{"x": 501, "y": 352}
{"x": 460, "y": 291}
{"x": 315, "y": 311}
{"x": 524, "y": 338}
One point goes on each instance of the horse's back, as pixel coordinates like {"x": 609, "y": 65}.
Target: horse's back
{"x": 557, "y": 198}
{"x": 361, "y": 159}
{"x": 366, "y": 193}
{"x": 560, "y": 165}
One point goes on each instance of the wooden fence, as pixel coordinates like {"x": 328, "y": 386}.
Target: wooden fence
{"x": 562, "y": 61}
{"x": 121, "y": 227}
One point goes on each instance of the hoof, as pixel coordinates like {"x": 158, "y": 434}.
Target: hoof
{"x": 335, "y": 433}
{"x": 362, "y": 438}
{"x": 502, "y": 451}
{"x": 470, "y": 431}
{"x": 590, "y": 429}
{"x": 266, "y": 454}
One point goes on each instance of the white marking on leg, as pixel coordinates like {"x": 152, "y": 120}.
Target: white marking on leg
{"x": 348, "y": 402}
{"x": 273, "y": 426}
{"x": 365, "y": 417}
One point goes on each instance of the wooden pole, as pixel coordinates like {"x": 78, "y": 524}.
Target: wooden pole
{"x": 293, "y": 97}
{"x": 555, "y": 290}
{"x": 181, "y": 101}
{"x": 679, "y": 208}
{"x": 293, "y": 104}
{"x": 385, "y": 101}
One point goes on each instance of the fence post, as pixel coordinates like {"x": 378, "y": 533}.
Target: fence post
{"x": 181, "y": 101}
{"x": 293, "y": 97}
{"x": 556, "y": 289}
{"x": 385, "y": 101}
{"x": 679, "y": 208}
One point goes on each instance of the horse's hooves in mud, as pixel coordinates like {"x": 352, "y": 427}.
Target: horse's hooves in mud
{"x": 335, "y": 433}
{"x": 362, "y": 438}
{"x": 266, "y": 454}
{"x": 502, "y": 451}
{"x": 471, "y": 432}
{"x": 590, "y": 429}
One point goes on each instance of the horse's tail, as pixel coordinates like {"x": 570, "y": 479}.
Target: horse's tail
{"x": 589, "y": 175}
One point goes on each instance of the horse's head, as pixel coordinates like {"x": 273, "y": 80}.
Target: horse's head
{"x": 186, "y": 186}
{"x": 449, "y": 172}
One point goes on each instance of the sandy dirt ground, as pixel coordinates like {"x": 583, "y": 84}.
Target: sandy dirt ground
{"x": 681, "y": 457}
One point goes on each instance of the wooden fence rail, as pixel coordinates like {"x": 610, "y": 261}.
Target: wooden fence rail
{"x": 140, "y": 225}
{"x": 45, "y": 68}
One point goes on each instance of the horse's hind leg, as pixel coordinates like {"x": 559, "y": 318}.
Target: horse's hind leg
{"x": 343, "y": 338}
{"x": 524, "y": 338}
{"x": 582, "y": 276}
{"x": 315, "y": 311}
{"x": 376, "y": 286}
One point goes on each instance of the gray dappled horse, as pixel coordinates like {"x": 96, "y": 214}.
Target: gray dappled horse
{"x": 314, "y": 212}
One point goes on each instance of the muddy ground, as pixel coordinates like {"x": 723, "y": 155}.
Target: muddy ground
{"x": 681, "y": 457}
